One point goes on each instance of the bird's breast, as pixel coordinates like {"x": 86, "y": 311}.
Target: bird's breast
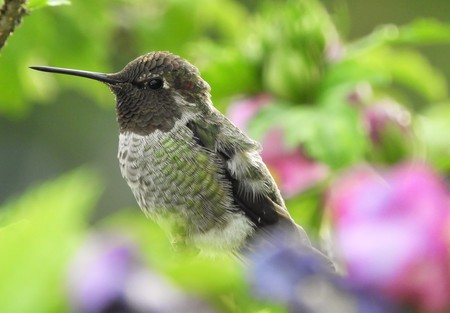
{"x": 170, "y": 172}
{"x": 173, "y": 177}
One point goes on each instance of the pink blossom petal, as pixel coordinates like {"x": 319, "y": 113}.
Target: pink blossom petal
{"x": 273, "y": 145}
{"x": 241, "y": 112}
{"x": 292, "y": 169}
{"x": 295, "y": 173}
{"x": 394, "y": 244}
{"x": 392, "y": 231}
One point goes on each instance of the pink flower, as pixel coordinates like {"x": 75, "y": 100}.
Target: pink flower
{"x": 335, "y": 51}
{"x": 292, "y": 169}
{"x": 392, "y": 232}
{"x": 241, "y": 112}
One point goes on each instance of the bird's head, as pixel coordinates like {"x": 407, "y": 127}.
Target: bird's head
{"x": 152, "y": 92}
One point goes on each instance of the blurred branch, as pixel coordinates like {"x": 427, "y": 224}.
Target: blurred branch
{"x": 10, "y": 16}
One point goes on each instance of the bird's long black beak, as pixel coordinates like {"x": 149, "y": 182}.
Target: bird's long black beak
{"x": 106, "y": 78}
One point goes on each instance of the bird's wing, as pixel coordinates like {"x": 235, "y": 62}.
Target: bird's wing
{"x": 254, "y": 189}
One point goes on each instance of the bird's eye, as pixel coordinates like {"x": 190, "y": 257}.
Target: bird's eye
{"x": 155, "y": 83}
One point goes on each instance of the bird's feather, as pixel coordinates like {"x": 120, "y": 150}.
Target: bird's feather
{"x": 254, "y": 190}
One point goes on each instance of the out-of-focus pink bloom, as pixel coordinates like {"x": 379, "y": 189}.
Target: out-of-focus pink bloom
{"x": 241, "y": 112}
{"x": 291, "y": 168}
{"x": 360, "y": 95}
{"x": 381, "y": 115}
{"x": 335, "y": 51}
{"x": 392, "y": 232}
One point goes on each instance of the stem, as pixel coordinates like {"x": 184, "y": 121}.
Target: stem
{"x": 11, "y": 15}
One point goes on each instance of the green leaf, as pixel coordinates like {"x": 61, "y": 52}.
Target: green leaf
{"x": 220, "y": 280}
{"x": 421, "y": 31}
{"x": 376, "y": 59}
{"x": 307, "y": 209}
{"x": 302, "y": 25}
{"x": 432, "y": 129}
{"x": 228, "y": 71}
{"x": 58, "y": 39}
{"x": 408, "y": 68}
{"x": 40, "y": 230}
{"x": 332, "y": 135}
{"x": 341, "y": 78}
{"x": 384, "y": 67}
{"x": 293, "y": 38}
{"x": 339, "y": 139}
{"x": 290, "y": 75}
{"x": 395, "y": 144}
{"x": 37, "y": 4}
{"x": 424, "y": 31}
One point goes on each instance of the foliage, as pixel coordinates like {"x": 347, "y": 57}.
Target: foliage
{"x": 37, "y": 4}
{"x": 318, "y": 103}
{"x": 39, "y": 232}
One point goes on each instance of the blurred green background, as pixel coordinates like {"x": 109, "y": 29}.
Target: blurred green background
{"x": 58, "y": 136}
{"x": 52, "y": 124}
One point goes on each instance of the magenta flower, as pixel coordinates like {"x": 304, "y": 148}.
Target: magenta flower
{"x": 392, "y": 233}
{"x": 292, "y": 169}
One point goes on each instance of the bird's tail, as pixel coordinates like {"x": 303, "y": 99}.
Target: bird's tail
{"x": 284, "y": 233}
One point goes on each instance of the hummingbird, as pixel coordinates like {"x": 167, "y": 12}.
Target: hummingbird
{"x": 188, "y": 166}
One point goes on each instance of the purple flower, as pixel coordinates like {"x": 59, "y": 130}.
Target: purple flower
{"x": 392, "y": 232}
{"x": 292, "y": 169}
{"x": 107, "y": 276}
{"x": 99, "y": 273}
{"x": 298, "y": 278}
